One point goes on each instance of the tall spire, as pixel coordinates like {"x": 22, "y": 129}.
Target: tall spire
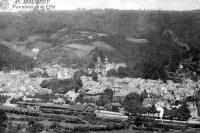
{"x": 106, "y": 60}
{"x": 98, "y": 61}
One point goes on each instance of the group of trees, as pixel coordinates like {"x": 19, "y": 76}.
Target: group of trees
{"x": 146, "y": 70}
{"x": 121, "y": 72}
{"x": 10, "y": 59}
{"x": 133, "y": 106}
{"x": 106, "y": 97}
{"x": 198, "y": 101}
{"x": 78, "y": 74}
{"x": 34, "y": 127}
{"x": 155, "y": 70}
{"x": 190, "y": 61}
{"x": 132, "y": 103}
{"x": 62, "y": 86}
{"x": 3, "y": 119}
{"x": 182, "y": 113}
{"x": 39, "y": 74}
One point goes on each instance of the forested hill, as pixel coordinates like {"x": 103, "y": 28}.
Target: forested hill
{"x": 140, "y": 24}
{"x": 168, "y": 32}
{"x": 10, "y": 59}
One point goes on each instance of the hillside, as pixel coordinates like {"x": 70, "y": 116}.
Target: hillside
{"x": 10, "y": 59}
{"x": 76, "y": 38}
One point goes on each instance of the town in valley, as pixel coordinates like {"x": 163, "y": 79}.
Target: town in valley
{"x": 99, "y": 71}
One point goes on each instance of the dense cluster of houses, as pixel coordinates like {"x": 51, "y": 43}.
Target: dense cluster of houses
{"x": 18, "y": 83}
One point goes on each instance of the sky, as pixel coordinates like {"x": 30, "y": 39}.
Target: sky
{"x": 128, "y": 4}
{"x": 180, "y": 5}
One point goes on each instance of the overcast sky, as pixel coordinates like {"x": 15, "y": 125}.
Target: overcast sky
{"x": 128, "y": 4}
{"x": 118, "y": 4}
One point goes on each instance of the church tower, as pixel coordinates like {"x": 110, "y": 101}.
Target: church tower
{"x": 106, "y": 60}
{"x": 98, "y": 61}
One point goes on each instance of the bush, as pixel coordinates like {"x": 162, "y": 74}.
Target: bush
{"x": 112, "y": 120}
{"x": 54, "y": 125}
{"x": 36, "y": 128}
{"x": 98, "y": 128}
{"x": 138, "y": 121}
{"x": 81, "y": 128}
{"x": 110, "y": 126}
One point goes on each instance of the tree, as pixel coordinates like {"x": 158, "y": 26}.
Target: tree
{"x": 91, "y": 65}
{"x": 31, "y": 122}
{"x": 44, "y": 84}
{"x": 79, "y": 74}
{"x": 94, "y": 76}
{"x": 183, "y": 113}
{"x": 144, "y": 95}
{"x": 80, "y": 98}
{"x": 36, "y": 128}
{"x": 132, "y": 103}
{"x": 62, "y": 86}
{"x": 106, "y": 97}
{"x": 111, "y": 73}
{"x": 6, "y": 69}
{"x": 3, "y": 119}
{"x": 78, "y": 84}
{"x": 123, "y": 72}
{"x": 198, "y": 102}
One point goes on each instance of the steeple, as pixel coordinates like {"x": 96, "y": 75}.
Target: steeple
{"x": 106, "y": 60}
{"x": 98, "y": 61}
